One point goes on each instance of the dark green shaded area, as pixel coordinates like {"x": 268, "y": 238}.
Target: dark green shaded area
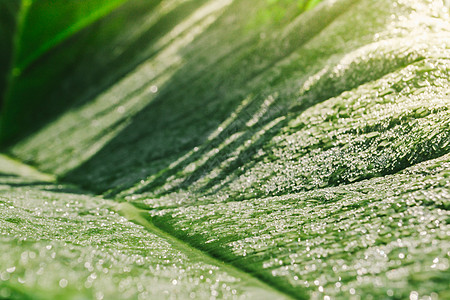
{"x": 43, "y": 25}
{"x": 9, "y": 10}
{"x": 47, "y": 23}
{"x": 77, "y": 70}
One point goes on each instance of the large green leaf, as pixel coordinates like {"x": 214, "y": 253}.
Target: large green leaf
{"x": 308, "y": 150}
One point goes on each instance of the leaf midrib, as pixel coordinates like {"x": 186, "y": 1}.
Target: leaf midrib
{"x": 136, "y": 215}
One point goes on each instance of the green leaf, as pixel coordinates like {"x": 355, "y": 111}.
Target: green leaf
{"x": 311, "y": 154}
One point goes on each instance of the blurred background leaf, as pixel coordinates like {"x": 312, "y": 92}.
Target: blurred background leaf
{"x": 29, "y": 30}
{"x": 47, "y": 23}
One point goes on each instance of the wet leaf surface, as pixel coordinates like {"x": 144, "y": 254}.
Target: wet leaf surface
{"x": 312, "y": 153}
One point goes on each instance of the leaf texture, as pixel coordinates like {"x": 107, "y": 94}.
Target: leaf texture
{"x": 311, "y": 152}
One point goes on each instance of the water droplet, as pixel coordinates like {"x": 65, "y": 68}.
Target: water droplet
{"x": 154, "y": 89}
{"x": 63, "y": 283}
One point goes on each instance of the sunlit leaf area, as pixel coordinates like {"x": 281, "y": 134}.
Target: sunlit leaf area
{"x": 224, "y": 149}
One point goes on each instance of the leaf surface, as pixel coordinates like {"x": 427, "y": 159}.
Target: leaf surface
{"x": 311, "y": 153}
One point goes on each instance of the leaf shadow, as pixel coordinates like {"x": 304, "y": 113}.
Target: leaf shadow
{"x": 158, "y": 142}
